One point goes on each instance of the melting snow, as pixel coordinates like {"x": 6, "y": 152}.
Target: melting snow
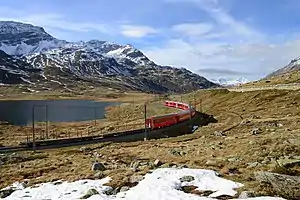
{"x": 27, "y": 81}
{"x": 31, "y": 90}
{"x": 162, "y": 184}
{"x": 54, "y": 81}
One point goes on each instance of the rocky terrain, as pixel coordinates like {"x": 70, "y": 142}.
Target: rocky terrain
{"x": 14, "y": 70}
{"x": 96, "y": 63}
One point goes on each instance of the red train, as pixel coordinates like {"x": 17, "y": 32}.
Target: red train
{"x": 171, "y": 119}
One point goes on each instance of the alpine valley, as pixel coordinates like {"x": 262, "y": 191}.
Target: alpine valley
{"x": 31, "y": 57}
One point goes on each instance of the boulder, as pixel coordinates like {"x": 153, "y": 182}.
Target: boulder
{"x": 124, "y": 189}
{"x": 85, "y": 149}
{"x": 109, "y": 191}
{"x": 211, "y": 163}
{"x": 187, "y": 179}
{"x": 246, "y": 194}
{"x": 177, "y": 152}
{"x": 157, "y": 163}
{"x": 90, "y": 193}
{"x": 233, "y": 159}
{"x": 254, "y": 164}
{"x": 166, "y": 165}
{"x": 219, "y": 134}
{"x": 135, "y": 164}
{"x": 136, "y": 178}
{"x": 99, "y": 175}
{"x": 188, "y": 188}
{"x": 280, "y": 182}
{"x": 256, "y": 131}
{"x": 6, "y": 192}
{"x": 98, "y": 167}
{"x": 288, "y": 162}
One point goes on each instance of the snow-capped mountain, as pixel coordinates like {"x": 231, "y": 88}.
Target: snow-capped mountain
{"x": 23, "y": 39}
{"x": 230, "y": 82}
{"x": 100, "y": 62}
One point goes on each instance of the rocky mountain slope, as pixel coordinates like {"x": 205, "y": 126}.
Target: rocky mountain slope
{"x": 290, "y": 75}
{"x": 14, "y": 71}
{"x": 23, "y": 39}
{"x": 96, "y": 62}
{"x": 293, "y": 66}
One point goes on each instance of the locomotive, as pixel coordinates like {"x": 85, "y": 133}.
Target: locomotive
{"x": 162, "y": 121}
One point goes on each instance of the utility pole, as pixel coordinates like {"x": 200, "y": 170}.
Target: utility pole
{"x": 195, "y": 100}
{"x": 95, "y": 116}
{"x": 190, "y": 108}
{"x": 201, "y": 105}
{"x": 145, "y": 112}
{"x": 47, "y": 130}
{"x": 33, "y": 133}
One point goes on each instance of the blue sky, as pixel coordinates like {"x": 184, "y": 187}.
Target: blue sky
{"x": 215, "y": 38}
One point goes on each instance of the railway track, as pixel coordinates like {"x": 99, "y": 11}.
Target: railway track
{"x": 49, "y": 144}
{"x": 128, "y": 136}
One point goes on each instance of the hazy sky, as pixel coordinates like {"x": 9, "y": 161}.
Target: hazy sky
{"x": 216, "y": 38}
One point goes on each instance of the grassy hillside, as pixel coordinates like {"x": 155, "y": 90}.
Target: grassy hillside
{"x": 254, "y": 131}
{"x": 287, "y": 78}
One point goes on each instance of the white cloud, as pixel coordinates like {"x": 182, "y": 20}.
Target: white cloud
{"x": 137, "y": 31}
{"x": 250, "y": 60}
{"x": 56, "y": 21}
{"x": 193, "y": 29}
{"x": 227, "y": 24}
{"x": 222, "y": 44}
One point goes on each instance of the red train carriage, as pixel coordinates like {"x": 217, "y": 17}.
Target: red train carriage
{"x": 183, "y": 106}
{"x": 179, "y": 105}
{"x": 184, "y": 115}
{"x": 162, "y": 121}
{"x": 171, "y": 119}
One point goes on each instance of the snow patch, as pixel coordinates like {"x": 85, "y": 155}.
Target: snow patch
{"x": 26, "y": 81}
{"x": 54, "y": 81}
{"x": 13, "y": 71}
{"x": 31, "y": 90}
{"x": 24, "y": 49}
{"x": 162, "y": 184}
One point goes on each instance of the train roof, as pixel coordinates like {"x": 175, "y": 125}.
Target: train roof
{"x": 178, "y": 102}
{"x": 162, "y": 116}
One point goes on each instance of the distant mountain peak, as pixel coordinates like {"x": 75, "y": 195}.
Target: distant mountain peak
{"x": 20, "y": 39}
{"x": 230, "y": 82}
{"x": 19, "y": 27}
{"x": 16, "y": 32}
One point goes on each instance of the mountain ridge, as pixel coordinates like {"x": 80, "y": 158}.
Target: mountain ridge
{"x": 98, "y": 61}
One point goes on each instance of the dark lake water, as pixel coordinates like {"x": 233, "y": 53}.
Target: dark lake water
{"x": 21, "y": 112}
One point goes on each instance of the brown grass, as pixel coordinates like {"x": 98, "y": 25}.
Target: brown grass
{"x": 287, "y": 78}
{"x": 237, "y": 115}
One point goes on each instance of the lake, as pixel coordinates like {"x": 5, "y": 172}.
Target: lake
{"x": 20, "y": 112}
